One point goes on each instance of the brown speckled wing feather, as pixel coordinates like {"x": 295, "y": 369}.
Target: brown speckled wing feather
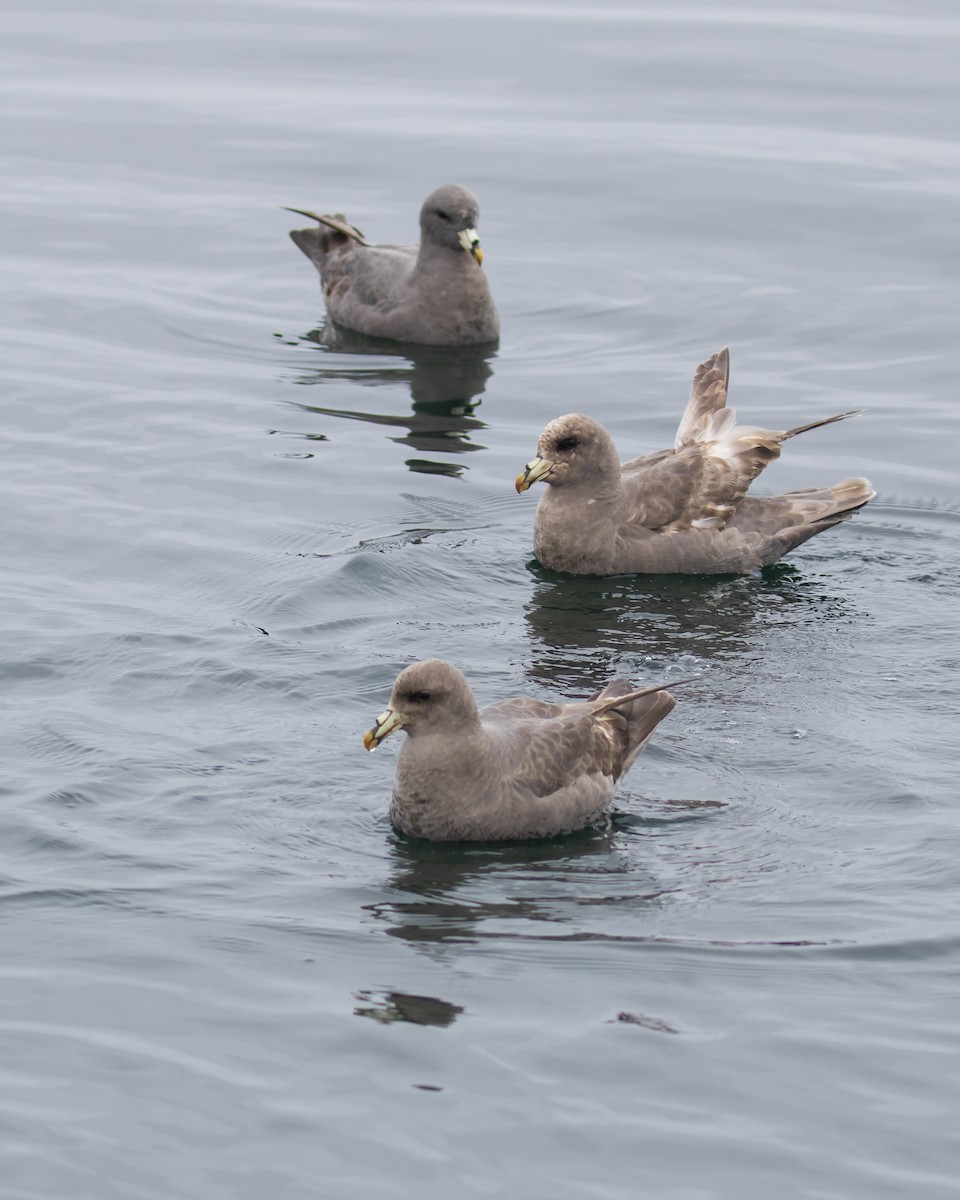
{"x": 670, "y": 493}
{"x": 708, "y": 395}
{"x": 690, "y": 485}
{"x": 564, "y": 751}
{"x": 701, "y": 482}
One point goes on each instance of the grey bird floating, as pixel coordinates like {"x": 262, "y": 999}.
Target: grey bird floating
{"x": 678, "y": 511}
{"x": 519, "y": 768}
{"x": 435, "y": 294}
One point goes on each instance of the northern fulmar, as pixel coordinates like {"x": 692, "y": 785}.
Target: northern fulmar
{"x": 434, "y": 294}
{"x": 520, "y": 768}
{"x": 678, "y": 511}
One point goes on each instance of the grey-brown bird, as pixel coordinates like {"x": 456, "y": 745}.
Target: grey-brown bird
{"x": 679, "y": 511}
{"x": 435, "y": 294}
{"x": 519, "y": 768}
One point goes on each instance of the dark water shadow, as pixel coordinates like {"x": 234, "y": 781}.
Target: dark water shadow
{"x": 446, "y": 892}
{"x": 445, "y": 384}
{"x": 387, "y": 1007}
{"x": 580, "y": 627}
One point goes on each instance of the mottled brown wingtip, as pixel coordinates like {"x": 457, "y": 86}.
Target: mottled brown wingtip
{"x": 708, "y": 396}
{"x": 722, "y": 363}
{"x": 715, "y": 368}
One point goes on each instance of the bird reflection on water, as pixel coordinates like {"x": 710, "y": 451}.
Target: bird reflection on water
{"x": 440, "y": 895}
{"x": 582, "y": 628}
{"x": 450, "y": 893}
{"x": 389, "y": 1007}
{"x": 445, "y": 387}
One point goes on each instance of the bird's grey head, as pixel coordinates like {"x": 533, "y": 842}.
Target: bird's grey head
{"x": 449, "y": 218}
{"x": 428, "y": 697}
{"x": 573, "y": 449}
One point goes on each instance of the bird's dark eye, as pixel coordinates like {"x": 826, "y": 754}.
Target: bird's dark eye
{"x": 568, "y": 443}
{"x": 442, "y": 215}
{"x": 420, "y": 697}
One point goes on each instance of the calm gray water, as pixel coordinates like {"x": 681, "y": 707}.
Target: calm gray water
{"x": 222, "y": 976}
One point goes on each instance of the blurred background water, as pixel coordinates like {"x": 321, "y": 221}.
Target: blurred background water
{"x": 222, "y": 975}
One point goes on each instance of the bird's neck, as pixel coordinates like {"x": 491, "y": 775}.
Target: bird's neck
{"x": 453, "y": 258}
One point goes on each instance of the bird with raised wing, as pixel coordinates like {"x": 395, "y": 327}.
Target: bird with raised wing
{"x": 683, "y": 510}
